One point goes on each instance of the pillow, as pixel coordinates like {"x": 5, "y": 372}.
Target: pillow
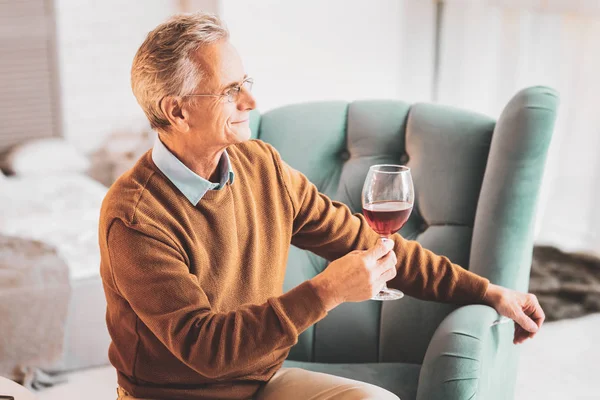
{"x": 45, "y": 157}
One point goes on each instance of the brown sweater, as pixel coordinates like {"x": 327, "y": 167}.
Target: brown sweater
{"x": 195, "y": 304}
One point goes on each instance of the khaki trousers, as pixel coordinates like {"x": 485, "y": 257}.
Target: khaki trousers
{"x": 300, "y": 384}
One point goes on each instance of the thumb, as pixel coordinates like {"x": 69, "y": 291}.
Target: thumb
{"x": 380, "y": 249}
{"x": 525, "y": 322}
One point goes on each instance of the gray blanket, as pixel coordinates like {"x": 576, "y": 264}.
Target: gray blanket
{"x": 34, "y": 298}
{"x": 567, "y": 284}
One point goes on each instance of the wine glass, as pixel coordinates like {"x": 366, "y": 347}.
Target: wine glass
{"x": 387, "y": 201}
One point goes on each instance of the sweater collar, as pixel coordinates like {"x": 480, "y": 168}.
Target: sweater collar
{"x": 192, "y": 185}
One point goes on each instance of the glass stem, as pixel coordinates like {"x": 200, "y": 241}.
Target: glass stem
{"x": 384, "y": 238}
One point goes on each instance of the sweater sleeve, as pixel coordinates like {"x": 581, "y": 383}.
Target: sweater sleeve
{"x": 151, "y": 274}
{"x": 329, "y": 229}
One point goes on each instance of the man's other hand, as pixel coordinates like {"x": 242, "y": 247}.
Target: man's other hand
{"x": 523, "y": 308}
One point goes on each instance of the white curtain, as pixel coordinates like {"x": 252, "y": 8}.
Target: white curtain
{"x": 491, "y": 49}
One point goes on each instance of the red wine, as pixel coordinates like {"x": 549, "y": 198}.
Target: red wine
{"x": 387, "y": 217}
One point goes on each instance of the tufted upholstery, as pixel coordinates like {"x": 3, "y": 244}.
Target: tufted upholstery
{"x": 476, "y": 183}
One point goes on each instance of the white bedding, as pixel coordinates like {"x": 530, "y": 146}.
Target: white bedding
{"x": 61, "y": 210}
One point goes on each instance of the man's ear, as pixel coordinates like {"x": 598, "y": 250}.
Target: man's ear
{"x": 173, "y": 109}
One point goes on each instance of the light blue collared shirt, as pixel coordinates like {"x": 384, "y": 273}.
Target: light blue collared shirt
{"x": 192, "y": 185}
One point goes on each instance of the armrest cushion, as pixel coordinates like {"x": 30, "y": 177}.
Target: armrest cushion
{"x": 468, "y": 352}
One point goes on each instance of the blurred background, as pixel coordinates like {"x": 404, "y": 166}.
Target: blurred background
{"x": 66, "y": 105}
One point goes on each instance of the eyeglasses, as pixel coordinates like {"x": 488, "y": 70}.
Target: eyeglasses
{"x": 232, "y": 94}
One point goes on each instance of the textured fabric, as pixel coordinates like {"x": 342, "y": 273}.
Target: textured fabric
{"x": 469, "y": 357}
{"x": 188, "y": 320}
{"x": 504, "y": 228}
{"x": 192, "y": 185}
{"x": 301, "y": 384}
{"x": 34, "y": 298}
{"x": 310, "y": 137}
{"x": 398, "y": 378}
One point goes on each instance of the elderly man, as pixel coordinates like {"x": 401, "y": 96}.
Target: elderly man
{"x": 194, "y": 241}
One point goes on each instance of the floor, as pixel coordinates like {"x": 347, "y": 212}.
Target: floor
{"x": 560, "y": 363}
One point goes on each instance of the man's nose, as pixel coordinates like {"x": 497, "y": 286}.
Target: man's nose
{"x": 246, "y": 101}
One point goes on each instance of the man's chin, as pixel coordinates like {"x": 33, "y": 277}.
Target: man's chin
{"x": 242, "y": 134}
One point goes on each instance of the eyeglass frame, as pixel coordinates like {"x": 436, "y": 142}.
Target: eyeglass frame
{"x": 236, "y": 89}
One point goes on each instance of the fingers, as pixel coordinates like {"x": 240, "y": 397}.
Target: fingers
{"x": 386, "y": 262}
{"x": 525, "y": 322}
{"x": 520, "y": 334}
{"x": 386, "y": 268}
{"x": 388, "y": 274}
{"x": 381, "y": 248}
{"x": 537, "y": 315}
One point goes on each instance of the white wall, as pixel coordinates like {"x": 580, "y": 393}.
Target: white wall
{"x": 96, "y": 43}
{"x": 336, "y": 49}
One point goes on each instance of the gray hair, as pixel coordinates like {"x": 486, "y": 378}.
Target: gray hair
{"x": 163, "y": 64}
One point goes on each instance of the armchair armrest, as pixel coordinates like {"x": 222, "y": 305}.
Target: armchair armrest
{"x": 469, "y": 357}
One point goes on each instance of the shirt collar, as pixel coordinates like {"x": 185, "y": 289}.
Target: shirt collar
{"x": 192, "y": 185}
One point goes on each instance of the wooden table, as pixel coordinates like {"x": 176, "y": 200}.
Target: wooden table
{"x": 10, "y": 388}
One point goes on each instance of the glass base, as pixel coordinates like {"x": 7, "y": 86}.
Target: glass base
{"x": 388, "y": 294}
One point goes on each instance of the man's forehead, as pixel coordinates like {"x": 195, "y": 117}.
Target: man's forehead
{"x": 220, "y": 63}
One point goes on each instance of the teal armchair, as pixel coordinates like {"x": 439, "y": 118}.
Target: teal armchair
{"x": 476, "y": 181}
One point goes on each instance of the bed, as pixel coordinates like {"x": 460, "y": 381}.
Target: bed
{"x": 62, "y": 210}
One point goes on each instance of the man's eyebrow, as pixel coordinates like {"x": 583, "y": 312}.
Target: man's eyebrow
{"x": 233, "y": 84}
